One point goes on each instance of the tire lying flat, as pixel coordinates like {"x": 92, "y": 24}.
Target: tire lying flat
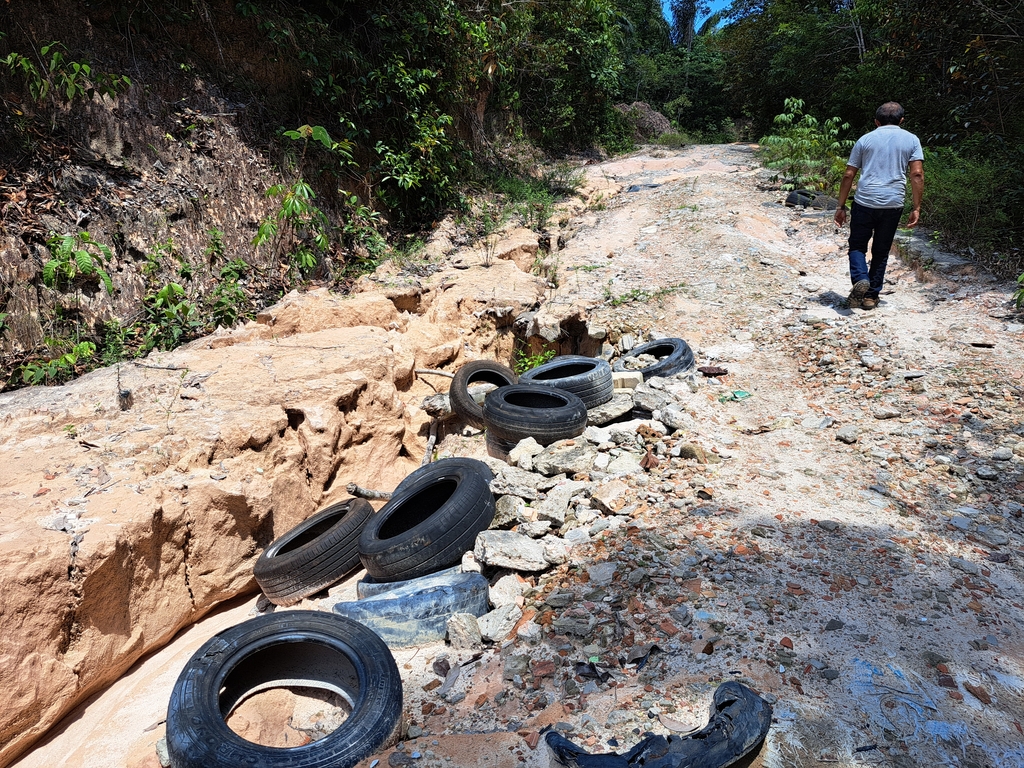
{"x": 300, "y": 649}
{"x": 589, "y": 378}
{"x": 418, "y": 610}
{"x": 431, "y": 520}
{"x": 476, "y": 371}
{"x": 370, "y": 587}
{"x": 532, "y": 410}
{"x": 676, "y": 357}
{"x": 313, "y": 555}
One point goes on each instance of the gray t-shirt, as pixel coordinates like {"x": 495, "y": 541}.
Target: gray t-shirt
{"x": 883, "y": 156}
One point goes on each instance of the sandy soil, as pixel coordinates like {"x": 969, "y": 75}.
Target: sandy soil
{"x": 871, "y": 588}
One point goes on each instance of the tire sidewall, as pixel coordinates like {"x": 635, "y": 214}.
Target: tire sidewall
{"x": 679, "y": 359}
{"x": 199, "y": 737}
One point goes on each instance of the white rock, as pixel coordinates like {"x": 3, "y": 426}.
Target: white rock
{"x": 499, "y": 623}
{"x": 506, "y": 549}
{"x": 464, "y": 631}
{"x": 556, "y": 550}
{"x": 508, "y": 590}
{"x": 525, "y": 449}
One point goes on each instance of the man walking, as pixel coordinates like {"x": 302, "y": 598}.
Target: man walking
{"x": 883, "y": 158}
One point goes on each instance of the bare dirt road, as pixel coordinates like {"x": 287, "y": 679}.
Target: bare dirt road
{"x": 852, "y": 548}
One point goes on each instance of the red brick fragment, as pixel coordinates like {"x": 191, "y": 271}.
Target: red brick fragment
{"x": 979, "y": 693}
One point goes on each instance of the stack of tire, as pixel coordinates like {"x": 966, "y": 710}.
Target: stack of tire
{"x": 412, "y": 552}
{"x": 548, "y": 403}
{"x": 408, "y": 548}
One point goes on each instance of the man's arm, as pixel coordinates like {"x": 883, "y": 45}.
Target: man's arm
{"x": 844, "y": 192}
{"x": 916, "y": 168}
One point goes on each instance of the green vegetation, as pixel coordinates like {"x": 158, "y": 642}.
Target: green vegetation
{"x": 413, "y": 112}
{"x": 809, "y": 154}
{"x": 51, "y": 77}
{"x": 227, "y": 302}
{"x": 639, "y": 295}
{"x": 171, "y": 319}
{"x": 956, "y": 68}
{"x": 523, "y": 361}
{"x": 76, "y": 259}
{"x": 62, "y": 366}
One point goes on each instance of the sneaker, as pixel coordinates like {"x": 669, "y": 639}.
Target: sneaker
{"x": 868, "y": 302}
{"x": 856, "y": 299}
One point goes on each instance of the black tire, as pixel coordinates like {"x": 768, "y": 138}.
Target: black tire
{"x": 486, "y": 371}
{"x": 589, "y": 378}
{"x": 313, "y": 555}
{"x": 676, "y": 356}
{"x": 418, "y": 610}
{"x": 498, "y": 448}
{"x": 307, "y": 649}
{"x": 544, "y": 413}
{"x": 432, "y": 519}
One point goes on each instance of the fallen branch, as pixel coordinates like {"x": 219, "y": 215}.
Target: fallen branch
{"x": 366, "y": 493}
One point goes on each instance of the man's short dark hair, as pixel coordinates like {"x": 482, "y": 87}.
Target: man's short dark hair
{"x": 889, "y": 113}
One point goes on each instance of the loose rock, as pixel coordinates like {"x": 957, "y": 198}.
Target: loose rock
{"x": 463, "y": 631}
{"x": 506, "y": 549}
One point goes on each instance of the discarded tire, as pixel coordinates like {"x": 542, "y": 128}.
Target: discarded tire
{"x": 370, "y": 587}
{"x": 314, "y": 554}
{"x": 738, "y": 724}
{"x": 532, "y": 410}
{"x": 433, "y": 517}
{"x": 810, "y": 199}
{"x": 477, "y": 371}
{"x": 676, "y": 356}
{"x": 589, "y": 378}
{"x": 418, "y": 610}
{"x": 301, "y": 649}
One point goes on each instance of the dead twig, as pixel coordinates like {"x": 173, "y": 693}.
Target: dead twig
{"x": 366, "y": 493}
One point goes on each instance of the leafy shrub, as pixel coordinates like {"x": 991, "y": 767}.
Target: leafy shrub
{"x": 228, "y": 302}
{"x": 808, "y": 153}
{"x": 59, "y": 368}
{"x": 76, "y": 257}
{"x": 673, "y": 140}
{"x": 964, "y": 197}
{"x": 49, "y": 74}
{"x": 524, "y": 361}
{"x": 171, "y": 318}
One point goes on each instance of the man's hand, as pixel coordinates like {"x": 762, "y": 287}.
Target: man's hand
{"x": 913, "y": 219}
{"x": 840, "y": 217}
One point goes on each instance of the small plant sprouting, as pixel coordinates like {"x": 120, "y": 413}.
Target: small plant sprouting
{"x": 639, "y": 295}
{"x": 1018, "y": 295}
{"x": 172, "y": 318}
{"x": 57, "y": 78}
{"x": 228, "y": 301}
{"x": 298, "y": 227}
{"x": 524, "y": 362}
{"x": 215, "y": 250}
{"x": 76, "y": 257}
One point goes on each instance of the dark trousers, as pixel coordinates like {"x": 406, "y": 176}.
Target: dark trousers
{"x": 879, "y": 225}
